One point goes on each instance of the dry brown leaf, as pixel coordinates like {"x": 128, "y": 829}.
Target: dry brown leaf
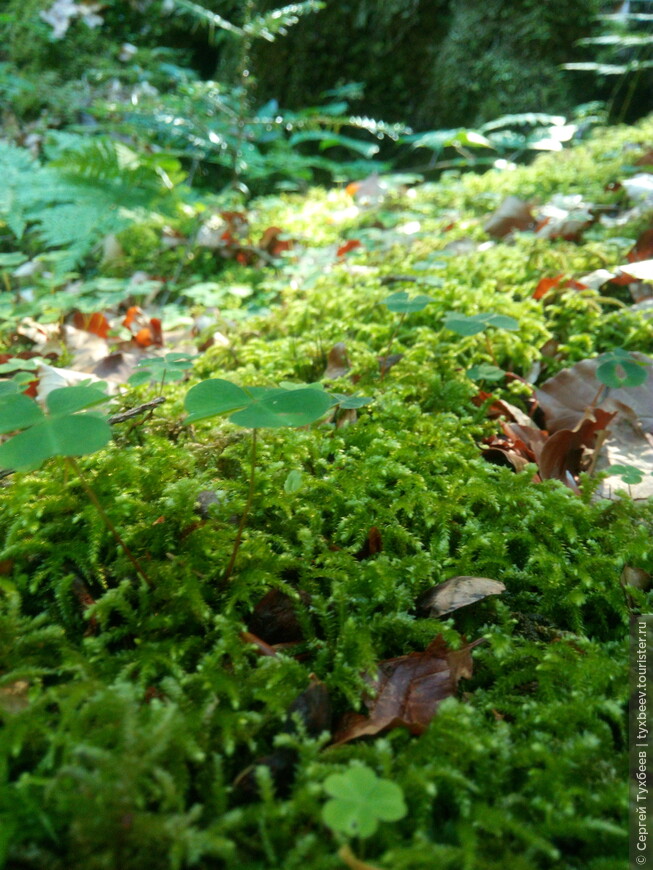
{"x": 409, "y": 690}
{"x": 512, "y": 214}
{"x": 13, "y": 697}
{"x": 627, "y": 445}
{"x": 337, "y": 362}
{"x": 387, "y": 362}
{"x": 565, "y": 397}
{"x": 458, "y": 592}
{"x": 274, "y": 619}
{"x": 562, "y": 453}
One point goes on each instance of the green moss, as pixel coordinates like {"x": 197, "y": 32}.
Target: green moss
{"x": 134, "y": 709}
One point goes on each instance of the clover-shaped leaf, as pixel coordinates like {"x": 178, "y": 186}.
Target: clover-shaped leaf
{"x": 170, "y": 367}
{"x": 257, "y": 407}
{"x": 618, "y": 368}
{"x": 61, "y": 432}
{"x": 485, "y": 372}
{"x": 360, "y": 800}
{"x": 464, "y": 324}
{"x": 402, "y": 303}
{"x": 630, "y": 474}
{"x": 348, "y": 403}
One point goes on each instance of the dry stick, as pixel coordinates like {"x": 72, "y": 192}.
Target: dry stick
{"x": 107, "y": 522}
{"x": 134, "y": 412}
{"x": 243, "y": 519}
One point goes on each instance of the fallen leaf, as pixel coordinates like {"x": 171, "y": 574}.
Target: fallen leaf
{"x": 373, "y": 545}
{"x": 512, "y": 214}
{"x": 13, "y": 697}
{"x": 408, "y": 691}
{"x": 275, "y": 619}
{"x": 562, "y": 452}
{"x": 272, "y": 243}
{"x": 565, "y": 397}
{"x": 313, "y": 709}
{"x": 345, "y": 248}
{"x": 337, "y": 362}
{"x": 387, "y": 362}
{"x": 458, "y": 592}
{"x": 627, "y": 445}
{"x": 546, "y": 284}
{"x": 637, "y": 577}
{"x": 95, "y": 323}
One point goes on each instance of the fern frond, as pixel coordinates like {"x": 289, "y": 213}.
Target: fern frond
{"x": 277, "y": 22}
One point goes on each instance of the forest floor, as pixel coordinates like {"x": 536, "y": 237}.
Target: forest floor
{"x": 341, "y": 572}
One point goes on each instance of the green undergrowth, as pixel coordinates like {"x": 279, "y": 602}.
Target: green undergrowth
{"x": 129, "y": 711}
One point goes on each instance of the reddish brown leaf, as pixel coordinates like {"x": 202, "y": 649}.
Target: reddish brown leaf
{"x": 562, "y": 453}
{"x": 86, "y": 600}
{"x": 337, "y": 362}
{"x": 275, "y": 619}
{"x": 642, "y": 249}
{"x": 545, "y": 284}
{"x": 409, "y": 690}
{"x": 95, "y": 323}
{"x": 272, "y": 244}
{"x": 373, "y": 545}
{"x": 264, "y": 648}
{"x": 345, "y": 248}
{"x": 132, "y": 313}
{"x": 512, "y": 214}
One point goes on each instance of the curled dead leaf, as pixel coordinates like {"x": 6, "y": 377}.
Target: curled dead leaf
{"x": 409, "y": 690}
{"x": 513, "y": 214}
{"x": 458, "y": 592}
{"x": 337, "y": 362}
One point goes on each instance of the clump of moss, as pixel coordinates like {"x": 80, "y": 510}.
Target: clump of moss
{"x": 130, "y": 713}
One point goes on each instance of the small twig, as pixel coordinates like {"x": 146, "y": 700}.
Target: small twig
{"x": 243, "y": 519}
{"x": 601, "y": 438}
{"x": 392, "y": 279}
{"x": 134, "y": 412}
{"x": 107, "y": 522}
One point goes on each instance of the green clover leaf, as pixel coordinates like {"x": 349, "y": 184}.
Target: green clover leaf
{"x": 360, "y": 800}
{"x": 61, "y": 432}
{"x": 402, "y": 303}
{"x": 170, "y": 368}
{"x": 618, "y": 368}
{"x": 257, "y": 407}
{"x": 630, "y": 474}
{"x": 472, "y": 324}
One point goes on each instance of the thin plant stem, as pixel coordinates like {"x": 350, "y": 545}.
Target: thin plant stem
{"x": 248, "y": 504}
{"x": 490, "y": 350}
{"x": 393, "y": 334}
{"x": 107, "y": 522}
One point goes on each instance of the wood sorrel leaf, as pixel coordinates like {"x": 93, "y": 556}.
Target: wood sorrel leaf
{"x": 464, "y": 324}
{"x": 284, "y": 408}
{"x": 402, "y": 303}
{"x": 17, "y": 411}
{"x": 73, "y": 435}
{"x": 359, "y": 800}
{"x": 67, "y": 400}
{"x": 213, "y": 397}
